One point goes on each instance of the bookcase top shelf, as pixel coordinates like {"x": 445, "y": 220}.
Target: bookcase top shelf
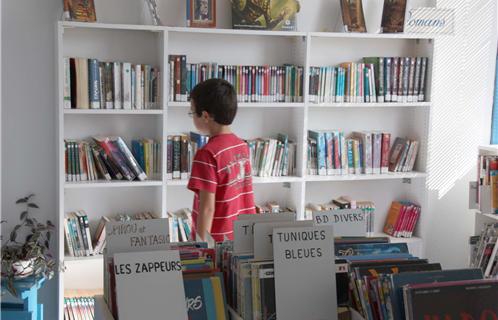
{"x": 364, "y": 177}
{"x": 247, "y": 105}
{"x": 112, "y": 184}
{"x": 371, "y": 105}
{"x": 239, "y": 32}
{"x": 111, "y": 111}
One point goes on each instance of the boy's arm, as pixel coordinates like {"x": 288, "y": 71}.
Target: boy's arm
{"x": 206, "y": 214}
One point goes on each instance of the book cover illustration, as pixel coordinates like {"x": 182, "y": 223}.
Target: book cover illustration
{"x": 393, "y": 16}
{"x": 80, "y": 10}
{"x": 454, "y": 300}
{"x": 370, "y": 249}
{"x": 352, "y": 16}
{"x": 265, "y": 14}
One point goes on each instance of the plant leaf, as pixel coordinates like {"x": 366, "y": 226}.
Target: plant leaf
{"x": 13, "y": 235}
{"x": 48, "y": 236}
{"x": 49, "y": 223}
{"x": 47, "y": 244}
{"x": 29, "y": 222}
{"x": 33, "y": 205}
{"x": 24, "y": 215}
{"x": 22, "y": 200}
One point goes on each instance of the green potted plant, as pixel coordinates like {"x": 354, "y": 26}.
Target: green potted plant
{"x": 27, "y": 251}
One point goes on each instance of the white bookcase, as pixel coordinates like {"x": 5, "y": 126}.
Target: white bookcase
{"x": 152, "y": 44}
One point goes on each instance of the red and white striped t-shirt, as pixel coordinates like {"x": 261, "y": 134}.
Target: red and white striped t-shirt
{"x": 223, "y": 167}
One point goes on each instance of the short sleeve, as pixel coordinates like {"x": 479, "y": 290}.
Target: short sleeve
{"x": 203, "y": 176}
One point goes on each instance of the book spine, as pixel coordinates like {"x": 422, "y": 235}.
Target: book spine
{"x": 184, "y": 158}
{"x": 88, "y": 235}
{"x": 138, "y": 87}
{"x": 344, "y": 154}
{"x": 94, "y": 83}
{"x": 406, "y": 79}
{"x": 118, "y": 100}
{"x": 388, "y": 79}
{"x": 381, "y": 84}
{"x": 416, "y": 88}
{"x": 130, "y": 159}
{"x": 176, "y": 157}
{"x": 386, "y": 141}
{"x": 183, "y": 70}
{"x": 109, "y": 89}
{"x": 330, "y": 153}
{"x": 69, "y": 241}
{"x": 126, "y": 86}
{"x": 395, "y": 78}
{"x": 67, "y": 84}
{"x": 82, "y": 83}
{"x": 337, "y": 153}
{"x": 411, "y": 80}
{"x": 377, "y": 152}
{"x": 401, "y": 79}
{"x": 118, "y": 159}
{"x": 423, "y": 76}
{"x": 82, "y": 234}
{"x": 367, "y": 151}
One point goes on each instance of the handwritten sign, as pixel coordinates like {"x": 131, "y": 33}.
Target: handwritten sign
{"x": 137, "y": 235}
{"x": 243, "y": 229}
{"x": 430, "y": 20}
{"x": 149, "y": 284}
{"x": 346, "y": 222}
{"x": 305, "y": 267}
{"x": 263, "y": 234}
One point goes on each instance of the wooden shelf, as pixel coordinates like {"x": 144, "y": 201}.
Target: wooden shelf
{"x": 365, "y": 177}
{"x": 376, "y": 105}
{"x": 112, "y": 111}
{"x": 112, "y": 184}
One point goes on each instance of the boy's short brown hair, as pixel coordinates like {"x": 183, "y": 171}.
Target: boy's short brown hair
{"x": 218, "y": 98}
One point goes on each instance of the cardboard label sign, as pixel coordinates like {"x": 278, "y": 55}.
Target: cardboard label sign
{"x": 263, "y": 234}
{"x": 243, "y": 229}
{"x": 346, "y": 222}
{"x": 305, "y": 267}
{"x": 149, "y": 285}
{"x": 136, "y": 235}
{"x": 430, "y": 20}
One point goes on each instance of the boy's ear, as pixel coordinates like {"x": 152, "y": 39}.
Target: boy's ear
{"x": 205, "y": 116}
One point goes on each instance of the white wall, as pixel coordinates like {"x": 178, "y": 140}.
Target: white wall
{"x": 461, "y": 121}
{"x": 28, "y": 114}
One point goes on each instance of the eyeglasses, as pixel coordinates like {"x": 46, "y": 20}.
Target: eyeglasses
{"x": 191, "y": 114}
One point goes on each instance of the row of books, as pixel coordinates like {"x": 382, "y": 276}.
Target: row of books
{"x": 181, "y": 149}
{"x": 345, "y": 202}
{"x": 109, "y": 158}
{"x": 252, "y": 83}
{"x": 78, "y": 235}
{"x": 272, "y": 157}
{"x": 483, "y": 253}
{"x": 79, "y": 308}
{"x": 273, "y": 207}
{"x": 487, "y": 182}
{"x": 389, "y": 283}
{"x": 94, "y": 84}
{"x": 375, "y": 79}
{"x": 180, "y": 225}
{"x": 402, "y": 219}
{"x": 365, "y": 152}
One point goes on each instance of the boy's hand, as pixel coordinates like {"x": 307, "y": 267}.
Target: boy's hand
{"x": 206, "y": 214}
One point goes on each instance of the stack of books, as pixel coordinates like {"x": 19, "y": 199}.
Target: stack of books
{"x": 181, "y": 150}
{"x": 483, "y": 253}
{"x": 272, "y": 157}
{"x": 94, "y": 84}
{"x": 363, "y": 152}
{"x": 109, "y": 158}
{"x": 252, "y": 83}
{"x": 78, "y": 234}
{"x": 402, "y": 219}
{"x": 375, "y": 79}
{"x": 180, "y": 225}
{"x": 79, "y": 308}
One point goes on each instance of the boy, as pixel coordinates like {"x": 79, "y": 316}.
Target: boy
{"x": 221, "y": 170}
